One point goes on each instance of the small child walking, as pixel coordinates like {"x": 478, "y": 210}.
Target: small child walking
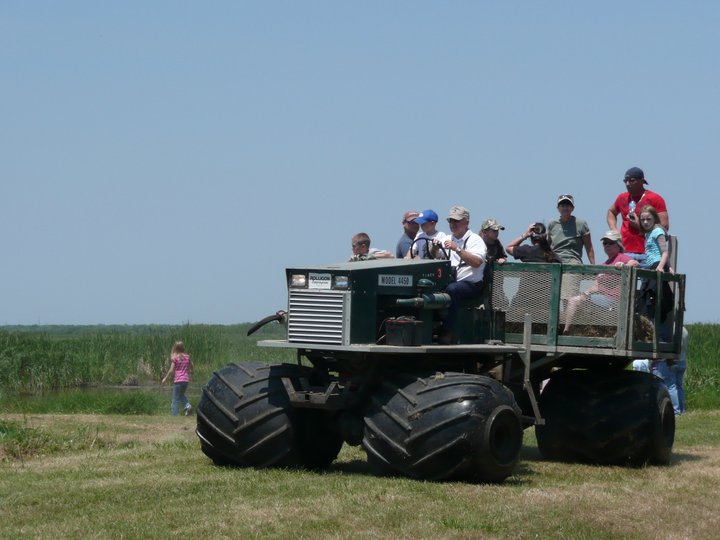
{"x": 182, "y": 367}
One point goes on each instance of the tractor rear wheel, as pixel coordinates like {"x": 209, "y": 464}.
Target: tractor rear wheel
{"x": 619, "y": 417}
{"x": 245, "y": 418}
{"x": 444, "y": 426}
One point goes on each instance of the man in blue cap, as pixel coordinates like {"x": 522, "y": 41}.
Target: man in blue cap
{"x": 428, "y": 221}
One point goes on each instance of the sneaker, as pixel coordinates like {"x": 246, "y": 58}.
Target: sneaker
{"x": 188, "y": 408}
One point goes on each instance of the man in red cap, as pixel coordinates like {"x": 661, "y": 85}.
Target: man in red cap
{"x": 410, "y": 230}
{"x": 628, "y": 205}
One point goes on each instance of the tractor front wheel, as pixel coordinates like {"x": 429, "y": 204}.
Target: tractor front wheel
{"x": 443, "y": 426}
{"x": 245, "y": 418}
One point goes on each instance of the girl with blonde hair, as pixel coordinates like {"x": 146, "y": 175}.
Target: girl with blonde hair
{"x": 181, "y": 367}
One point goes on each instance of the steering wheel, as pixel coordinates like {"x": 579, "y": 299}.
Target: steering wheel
{"x": 428, "y": 253}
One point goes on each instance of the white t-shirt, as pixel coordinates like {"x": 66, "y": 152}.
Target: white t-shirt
{"x": 473, "y": 243}
{"x": 420, "y": 246}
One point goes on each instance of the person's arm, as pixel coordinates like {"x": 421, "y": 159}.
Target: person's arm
{"x": 612, "y": 218}
{"x": 510, "y": 248}
{"x": 169, "y": 373}
{"x": 587, "y": 241}
{"x": 664, "y": 220}
{"x": 471, "y": 258}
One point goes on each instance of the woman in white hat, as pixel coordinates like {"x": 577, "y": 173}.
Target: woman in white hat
{"x": 606, "y": 290}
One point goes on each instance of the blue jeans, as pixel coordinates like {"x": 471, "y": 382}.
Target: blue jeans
{"x": 673, "y": 381}
{"x": 639, "y": 257}
{"x": 678, "y": 369}
{"x": 178, "y": 397}
{"x": 459, "y": 290}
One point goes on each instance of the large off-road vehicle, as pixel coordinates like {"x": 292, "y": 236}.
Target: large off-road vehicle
{"x": 370, "y": 371}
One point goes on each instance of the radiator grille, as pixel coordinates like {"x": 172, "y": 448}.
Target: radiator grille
{"x": 317, "y": 317}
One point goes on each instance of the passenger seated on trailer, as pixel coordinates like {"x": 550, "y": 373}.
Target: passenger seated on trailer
{"x": 467, "y": 257}
{"x": 539, "y": 249}
{"x": 606, "y": 290}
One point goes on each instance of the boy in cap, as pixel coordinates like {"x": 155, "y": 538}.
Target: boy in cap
{"x": 628, "y": 205}
{"x": 490, "y": 232}
{"x": 410, "y": 230}
{"x": 427, "y": 220}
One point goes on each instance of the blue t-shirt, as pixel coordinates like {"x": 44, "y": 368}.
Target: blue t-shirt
{"x": 652, "y": 248}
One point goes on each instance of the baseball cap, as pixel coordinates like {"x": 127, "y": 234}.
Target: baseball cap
{"x": 635, "y": 173}
{"x": 568, "y": 198}
{"x": 410, "y": 215}
{"x": 614, "y": 236}
{"x": 459, "y": 212}
{"x": 491, "y": 224}
{"x": 425, "y": 216}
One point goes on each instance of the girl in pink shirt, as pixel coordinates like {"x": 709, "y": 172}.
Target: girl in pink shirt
{"x": 180, "y": 365}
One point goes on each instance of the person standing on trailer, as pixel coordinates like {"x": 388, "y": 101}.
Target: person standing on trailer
{"x": 627, "y": 205}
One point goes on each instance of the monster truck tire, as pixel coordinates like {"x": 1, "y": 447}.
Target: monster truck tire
{"x": 620, "y": 417}
{"x": 245, "y": 418}
{"x": 444, "y": 426}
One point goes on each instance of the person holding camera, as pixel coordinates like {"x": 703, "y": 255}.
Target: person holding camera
{"x": 628, "y": 204}
{"x": 539, "y": 249}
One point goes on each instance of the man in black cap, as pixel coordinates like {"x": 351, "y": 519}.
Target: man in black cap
{"x": 628, "y": 205}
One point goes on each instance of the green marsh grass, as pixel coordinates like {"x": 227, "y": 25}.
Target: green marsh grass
{"x": 43, "y": 360}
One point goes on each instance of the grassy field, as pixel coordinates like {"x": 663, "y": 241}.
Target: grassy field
{"x": 82, "y": 457}
{"x": 116, "y": 476}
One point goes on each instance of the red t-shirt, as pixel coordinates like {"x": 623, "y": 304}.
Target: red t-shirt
{"x": 633, "y": 240}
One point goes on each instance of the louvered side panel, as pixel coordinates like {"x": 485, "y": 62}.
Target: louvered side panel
{"x": 318, "y": 317}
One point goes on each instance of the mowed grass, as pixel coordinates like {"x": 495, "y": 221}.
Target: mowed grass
{"x": 144, "y": 476}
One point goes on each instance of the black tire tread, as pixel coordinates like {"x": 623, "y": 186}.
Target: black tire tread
{"x": 605, "y": 417}
{"x": 432, "y": 427}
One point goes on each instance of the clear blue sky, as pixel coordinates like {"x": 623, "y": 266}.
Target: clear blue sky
{"x": 163, "y": 162}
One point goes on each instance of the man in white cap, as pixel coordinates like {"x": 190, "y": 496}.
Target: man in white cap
{"x": 467, "y": 256}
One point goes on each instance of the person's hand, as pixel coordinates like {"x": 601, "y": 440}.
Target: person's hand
{"x": 449, "y": 244}
{"x": 501, "y": 260}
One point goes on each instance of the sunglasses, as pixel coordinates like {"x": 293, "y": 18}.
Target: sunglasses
{"x": 630, "y": 180}
{"x": 608, "y": 242}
